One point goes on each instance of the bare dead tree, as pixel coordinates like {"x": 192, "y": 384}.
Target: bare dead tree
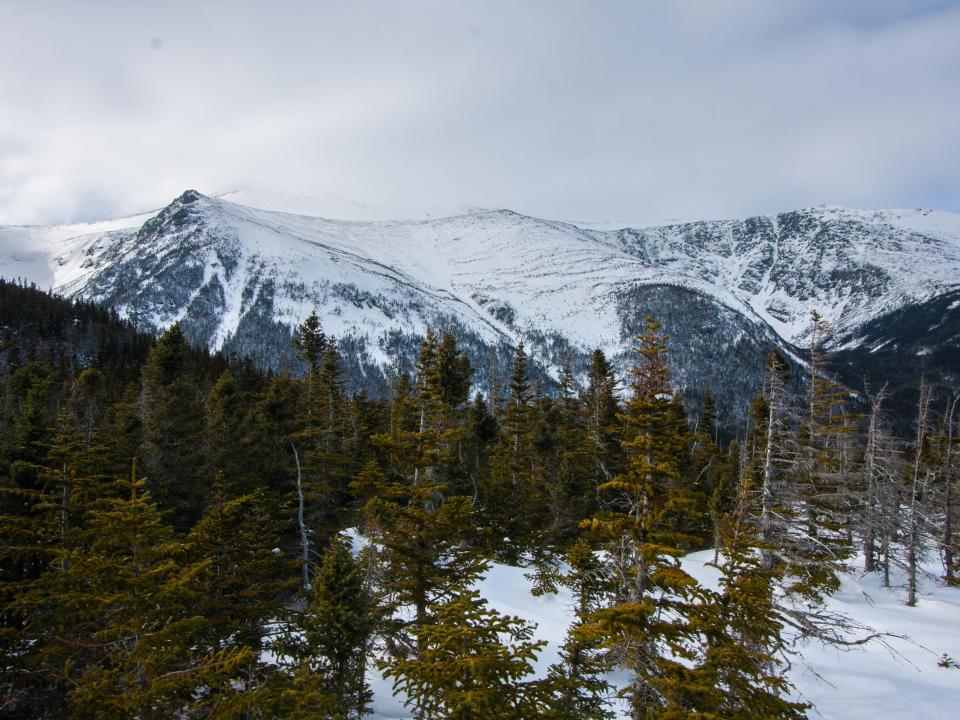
{"x": 914, "y": 519}
{"x": 946, "y": 538}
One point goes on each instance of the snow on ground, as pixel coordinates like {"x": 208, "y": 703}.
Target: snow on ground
{"x": 890, "y": 680}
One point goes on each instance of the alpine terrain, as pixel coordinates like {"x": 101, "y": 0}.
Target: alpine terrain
{"x": 240, "y": 279}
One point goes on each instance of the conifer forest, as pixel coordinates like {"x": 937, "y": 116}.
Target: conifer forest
{"x": 187, "y": 536}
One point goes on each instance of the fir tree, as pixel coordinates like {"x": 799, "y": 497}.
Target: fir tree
{"x": 310, "y": 343}
{"x": 173, "y": 430}
{"x": 577, "y": 686}
{"x": 472, "y": 663}
{"x": 422, "y": 531}
{"x": 602, "y": 422}
{"x": 118, "y": 624}
{"x": 739, "y": 673}
{"x": 242, "y": 585}
{"x": 329, "y": 641}
{"x": 320, "y": 447}
{"x": 513, "y": 497}
{"x": 648, "y": 626}
{"x": 825, "y": 477}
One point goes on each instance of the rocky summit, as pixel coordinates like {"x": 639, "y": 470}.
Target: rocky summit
{"x": 240, "y": 279}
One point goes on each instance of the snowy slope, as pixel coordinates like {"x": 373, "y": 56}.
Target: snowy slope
{"x": 41, "y": 254}
{"x": 849, "y": 265}
{"x": 241, "y": 278}
{"x": 891, "y": 680}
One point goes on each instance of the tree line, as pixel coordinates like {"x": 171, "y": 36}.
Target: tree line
{"x": 186, "y": 536}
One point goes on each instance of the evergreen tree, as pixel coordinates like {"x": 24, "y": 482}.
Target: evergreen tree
{"x": 173, "y": 430}
{"x": 648, "y": 626}
{"x": 424, "y": 534}
{"x": 228, "y": 437}
{"x": 328, "y": 642}
{"x": 310, "y": 343}
{"x": 513, "y": 498}
{"x": 243, "y": 584}
{"x": 454, "y": 372}
{"x": 739, "y": 673}
{"x": 577, "y": 686}
{"x": 472, "y": 663}
{"x": 480, "y": 434}
{"x": 602, "y": 419}
{"x": 825, "y": 476}
{"x": 570, "y": 488}
{"x": 118, "y": 623}
{"x": 321, "y": 448}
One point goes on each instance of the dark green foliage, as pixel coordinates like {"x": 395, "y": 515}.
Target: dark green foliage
{"x": 649, "y": 626}
{"x": 172, "y": 413}
{"x": 114, "y": 606}
{"x": 577, "y": 686}
{"x": 117, "y": 621}
{"x": 242, "y": 584}
{"x": 310, "y": 342}
{"x": 328, "y": 642}
{"x": 514, "y": 493}
{"x": 739, "y": 673}
{"x": 471, "y": 662}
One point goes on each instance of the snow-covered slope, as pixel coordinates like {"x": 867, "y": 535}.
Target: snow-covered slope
{"x": 891, "y": 678}
{"x": 849, "y": 265}
{"x": 41, "y": 254}
{"x": 240, "y": 278}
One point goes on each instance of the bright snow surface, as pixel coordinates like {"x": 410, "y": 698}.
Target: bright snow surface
{"x": 890, "y": 679}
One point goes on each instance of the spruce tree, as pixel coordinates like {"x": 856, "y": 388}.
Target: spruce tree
{"x": 328, "y": 642}
{"x": 577, "y": 685}
{"x": 513, "y": 497}
{"x": 119, "y": 622}
{"x": 231, "y": 444}
{"x": 602, "y": 419}
{"x": 320, "y": 446}
{"x": 173, "y": 430}
{"x": 648, "y": 626}
{"x": 310, "y": 343}
{"x": 825, "y": 477}
{"x": 425, "y": 535}
{"x": 740, "y": 672}
{"x": 243, "y": 584}
{"x": 472, "y": 662}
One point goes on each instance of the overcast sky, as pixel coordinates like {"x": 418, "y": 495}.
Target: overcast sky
{"x": 577, "y": 110}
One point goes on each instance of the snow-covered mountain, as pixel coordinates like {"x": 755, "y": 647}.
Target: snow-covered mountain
{"x": 239, "y": 279}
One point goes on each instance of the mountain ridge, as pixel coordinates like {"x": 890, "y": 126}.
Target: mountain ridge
{"x": 241, "y": 278}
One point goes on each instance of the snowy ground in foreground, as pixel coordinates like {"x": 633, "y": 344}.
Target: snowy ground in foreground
{"x": 873, "y": 681}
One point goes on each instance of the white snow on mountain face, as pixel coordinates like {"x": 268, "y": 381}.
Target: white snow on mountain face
{"x": 40, "y": 254}
{"x": 498, "y": 273}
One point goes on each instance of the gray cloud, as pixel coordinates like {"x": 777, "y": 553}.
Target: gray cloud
{"x": 581, "y": 110}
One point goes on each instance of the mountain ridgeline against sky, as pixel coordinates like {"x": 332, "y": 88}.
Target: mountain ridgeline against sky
{"x": 240, "y": 279}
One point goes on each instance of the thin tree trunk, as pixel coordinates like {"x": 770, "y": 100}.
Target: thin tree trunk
{"x": 767, "y": 497}
{"x": 947, "y": 538}
{"x": 873, "y": 489}
{"x": 304, "y": 539}
{"x": 913, "y": 529}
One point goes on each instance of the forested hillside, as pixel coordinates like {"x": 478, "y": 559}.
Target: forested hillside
{"x": 174, "y": 527}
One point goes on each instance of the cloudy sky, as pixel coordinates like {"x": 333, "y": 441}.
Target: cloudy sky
{"x": 577, "y": 110}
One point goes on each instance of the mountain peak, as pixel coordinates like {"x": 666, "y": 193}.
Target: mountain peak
{"x": 189, "y": 197}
